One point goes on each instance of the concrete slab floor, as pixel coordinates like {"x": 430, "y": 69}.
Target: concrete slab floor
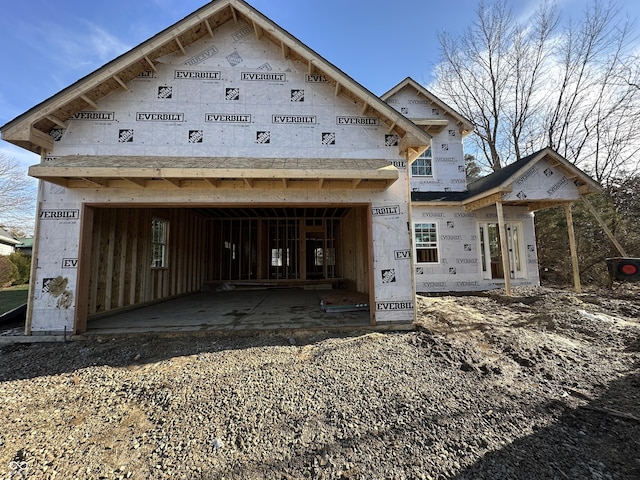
{"x": 261, "y": 309}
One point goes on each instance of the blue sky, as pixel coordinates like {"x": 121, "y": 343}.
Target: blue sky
{"x": 49, "y": 45}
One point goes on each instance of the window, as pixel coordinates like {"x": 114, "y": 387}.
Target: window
{"x": 421, "y": 166}
{"x": 426, "y": 241}
{"x": 159, "y": 230}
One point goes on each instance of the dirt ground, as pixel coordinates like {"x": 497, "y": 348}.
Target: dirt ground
{"x": 544, "y": 384}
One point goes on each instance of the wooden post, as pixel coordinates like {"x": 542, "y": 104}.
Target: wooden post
{"x": 572, "y": 247}
{"x": 504, "y": 249}
{"x": 84, "y": 270}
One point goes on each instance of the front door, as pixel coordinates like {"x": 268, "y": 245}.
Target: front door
{"x": 491, "y": 254}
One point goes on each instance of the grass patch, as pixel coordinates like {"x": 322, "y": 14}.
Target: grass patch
{"x": 13, "y": 297}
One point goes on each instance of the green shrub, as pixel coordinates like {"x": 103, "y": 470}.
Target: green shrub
{"x": 8, "y": 271}
{"x": 23, "y": 268}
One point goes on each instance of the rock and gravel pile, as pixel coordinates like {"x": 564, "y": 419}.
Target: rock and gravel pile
{"x": 544, "y": 385}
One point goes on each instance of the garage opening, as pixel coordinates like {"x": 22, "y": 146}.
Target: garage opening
{"x": 133, "y": 257}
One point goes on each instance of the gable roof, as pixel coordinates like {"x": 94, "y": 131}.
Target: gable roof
{"x": 31, "y": 129}
{"x": 492, "y": 186}
{"x": 465, "y": 125}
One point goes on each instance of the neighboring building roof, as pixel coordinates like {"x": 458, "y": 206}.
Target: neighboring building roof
{"x": 501, "y": 181}
{"x": 466, "y": 127}
{"x": 31, "y": 129}
{"x": 25, "y": 243}
{"x": 7, "y": 238}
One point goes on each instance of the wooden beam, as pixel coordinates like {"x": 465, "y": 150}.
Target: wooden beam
{"x": 89, "y": 102}
{"x": 248, "y": 182}
{"x": 83, "y": 272}
{"x": 573, "y": 249}
{"x": 336, "y": 92}
{"x": 233, "y": 13}
{"x": 310, "y": 67}
{"x": 535, "y": 206}
{"x": 214, "y": 182}
{"x": 320, "y": 183}
{"x": 208, "y": 25}
{"x": 120, "y": 82}
{"x": 99, "y": 182}
{"x": 604, "y": 227}
{"x": 173, "y": 181}
{"x": 140, "y": 182}
{"x": 151, "y": 64}
{"x": 365, "y": 107}
{"x": 56, "y": 120}
{"x": 284, "y": 183}
{"x": 504, "y": 249}
{"x": 180, "y": 45}
{"x": 393, "y": 125}
{"x": 483, "y": 202}
{"x": 356, "y": 182}
{"x": 41, "y": 139}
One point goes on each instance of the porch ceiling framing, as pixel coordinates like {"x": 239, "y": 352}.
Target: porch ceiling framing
{"x": 31, "y": 130}
{"x": 202, "y": 172}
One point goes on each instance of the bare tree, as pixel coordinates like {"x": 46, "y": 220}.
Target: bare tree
{"x": 474, "y": 73}
{"x": 17, "y": 196}
{"x": 531, "y": 85}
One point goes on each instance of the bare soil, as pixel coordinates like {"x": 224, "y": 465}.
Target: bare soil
{"x": 545, "y": 384}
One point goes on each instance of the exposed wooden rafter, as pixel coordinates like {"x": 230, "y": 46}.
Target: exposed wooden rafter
{"x": 392, "y": 127}
{"x": 356, "y": 182}
{"x": 56, "y": 120}
{"x": 285, "y": 183}
{"x": 365, "y": 107}
{"x": 180, "y": 45}
{"x": 337, "y": 89}
{"x": 120, "y": 82}
{"x": 208, "y": 25}
{"x": 310, "y": 67}
{"x": 248, "y": 182}
{"x": 233, "y": 13}
{"x": 285, "y": 50}
{"x": 214, "y": 182}
{"x": 320, "y": 183}
{"x": 151, "y": 64}
{"x": 89, "y": 102}
{"x": 258, "y": 29}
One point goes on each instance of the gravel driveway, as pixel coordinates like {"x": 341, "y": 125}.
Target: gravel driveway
{"x": 544, "y": 386}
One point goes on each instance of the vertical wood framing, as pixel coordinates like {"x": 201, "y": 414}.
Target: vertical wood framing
{"x": 108, "y": 295}
{"x": 369, "y": 271}
{"x": 84, "y": 271}
{"x": 573, "y": 249}
{"x": 504, "y": 249}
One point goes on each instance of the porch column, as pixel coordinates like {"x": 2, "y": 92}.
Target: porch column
{"x": 504, "y": 249}
{"x": 572, "y": 247}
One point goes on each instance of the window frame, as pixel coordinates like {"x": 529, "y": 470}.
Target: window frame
{"x": 419, "y": 163}
{"x": 432, "y": 245}
{"x": 160, "y": 242}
